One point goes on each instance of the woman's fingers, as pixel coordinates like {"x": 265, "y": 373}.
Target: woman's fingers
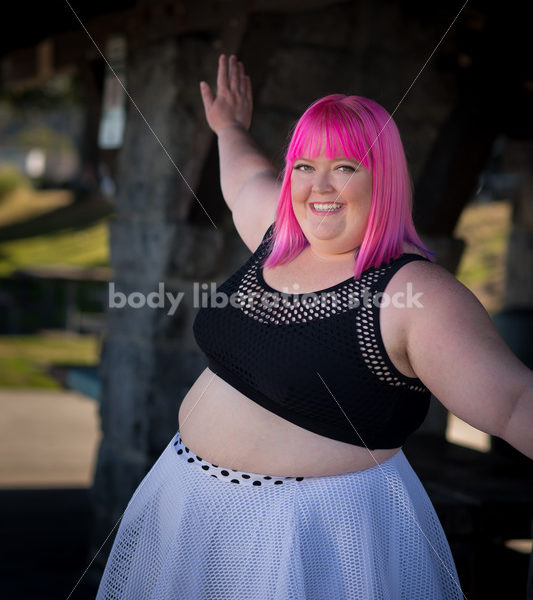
{"x": 248, "y": 87}
{"x": 242, "y": 79}
{"x": 233, "y": 74}
{"x": 232, "y": 102}
{"x": 207, "y": 95}
{"x": 222, "y": 75}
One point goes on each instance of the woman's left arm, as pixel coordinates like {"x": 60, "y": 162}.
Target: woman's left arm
{"x": 455, "y": 349}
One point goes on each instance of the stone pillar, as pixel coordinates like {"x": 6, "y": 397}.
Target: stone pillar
{"x": 148, "y": 360}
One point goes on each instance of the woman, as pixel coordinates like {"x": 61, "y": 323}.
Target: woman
{"x": 287, "y": 477}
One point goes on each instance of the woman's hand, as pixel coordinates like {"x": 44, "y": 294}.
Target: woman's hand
{"x": 233, "y": 102}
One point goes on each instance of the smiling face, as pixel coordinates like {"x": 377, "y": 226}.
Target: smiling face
{"x": 331, "y": 200}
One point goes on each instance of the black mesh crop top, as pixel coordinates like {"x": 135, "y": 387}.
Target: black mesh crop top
{"x": 316, "y": 360}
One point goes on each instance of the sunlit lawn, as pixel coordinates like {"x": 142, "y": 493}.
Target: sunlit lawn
{"x": 26, "y": 203}
{"x": 25, "y": 359}
{"x": 82, "y": 246}
{"x": 485, "y": 229}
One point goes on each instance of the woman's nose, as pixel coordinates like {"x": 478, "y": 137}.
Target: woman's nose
{"x": 321, "y": 183}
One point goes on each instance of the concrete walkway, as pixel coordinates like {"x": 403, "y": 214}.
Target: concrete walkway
{"x": 48, "y": 445}
{"x": 47, "y": 439}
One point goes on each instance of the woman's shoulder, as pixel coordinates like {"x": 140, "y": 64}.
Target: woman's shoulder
{"x": 428, "y": 276}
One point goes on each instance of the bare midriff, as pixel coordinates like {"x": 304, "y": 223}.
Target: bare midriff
{"x": 226, "y": 428}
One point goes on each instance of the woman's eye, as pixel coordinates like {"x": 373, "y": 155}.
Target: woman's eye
{"x": 307, "y": 168}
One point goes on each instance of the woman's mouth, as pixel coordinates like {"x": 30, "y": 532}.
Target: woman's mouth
{"x": 326, "y": 208}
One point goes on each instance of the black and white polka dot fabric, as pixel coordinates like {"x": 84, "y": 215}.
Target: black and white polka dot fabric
{"x": 225, "y": 474}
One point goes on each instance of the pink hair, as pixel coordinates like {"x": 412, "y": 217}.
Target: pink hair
{"x": 360, "y": 129}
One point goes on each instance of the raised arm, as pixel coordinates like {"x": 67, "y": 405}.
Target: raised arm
{"x": 455, "y": 349}
{"x": 247, "y": 178}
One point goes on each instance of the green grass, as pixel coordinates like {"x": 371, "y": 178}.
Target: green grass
{"x": 44, "y": 227}
{"x": 485, "y": 229}
{"x": 25, "y": 359}
{"x": 21, "y": 204}
{"x": 82, "y": 247}
{"x": 11, "y": 179}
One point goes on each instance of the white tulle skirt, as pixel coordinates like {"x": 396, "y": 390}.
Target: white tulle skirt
{"x": 195, "y": 531}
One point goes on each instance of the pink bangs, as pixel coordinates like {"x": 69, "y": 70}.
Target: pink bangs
{"x": 329, "y": 130}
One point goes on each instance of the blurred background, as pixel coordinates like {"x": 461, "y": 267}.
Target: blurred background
{"x": 89, "y": 395}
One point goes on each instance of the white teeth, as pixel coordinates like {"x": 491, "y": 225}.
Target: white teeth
{"x": 326, "y": 207}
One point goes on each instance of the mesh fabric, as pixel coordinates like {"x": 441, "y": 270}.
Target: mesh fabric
{"x": 368, "y": 535}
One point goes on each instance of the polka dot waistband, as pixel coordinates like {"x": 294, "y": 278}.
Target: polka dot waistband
{"x": 225, "y": 474}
